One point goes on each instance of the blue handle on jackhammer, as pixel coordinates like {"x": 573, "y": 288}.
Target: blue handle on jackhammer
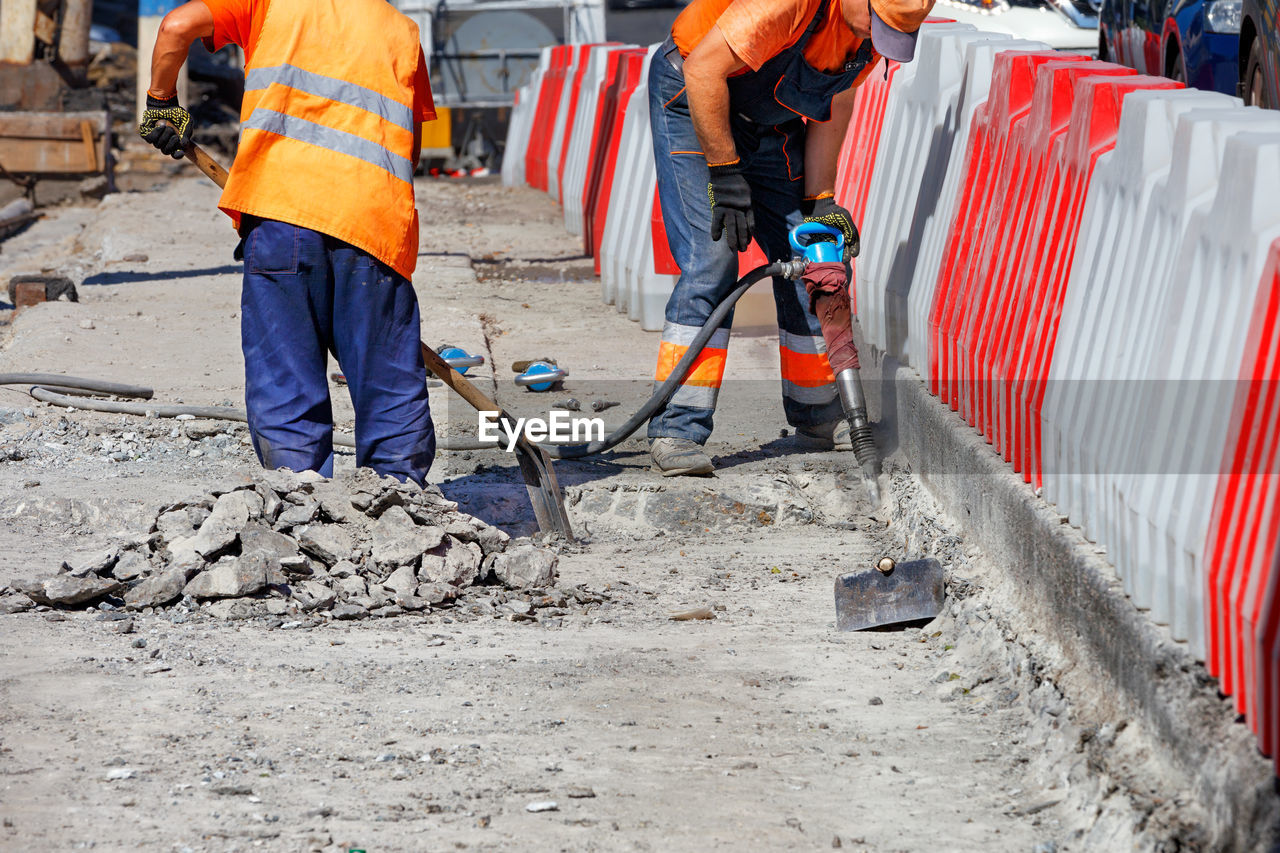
{"x": 821, "y": 251}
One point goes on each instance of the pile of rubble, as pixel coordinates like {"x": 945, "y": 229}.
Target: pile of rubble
{"x": 291, "y": 544}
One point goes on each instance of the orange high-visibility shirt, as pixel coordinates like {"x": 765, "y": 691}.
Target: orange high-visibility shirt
{"x": 758, "y": 30}
{"x": 334, "y": 90}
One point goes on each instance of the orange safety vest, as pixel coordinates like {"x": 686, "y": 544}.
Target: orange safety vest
{"x": 327, "y": 126}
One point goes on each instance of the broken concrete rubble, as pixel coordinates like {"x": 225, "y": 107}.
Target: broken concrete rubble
{"x": 351, "y": 547}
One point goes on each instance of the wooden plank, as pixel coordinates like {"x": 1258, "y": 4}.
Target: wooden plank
{"x": 46, "y": 29}
{"x": 86, "y": 134}
{"x": 54, "y": 143}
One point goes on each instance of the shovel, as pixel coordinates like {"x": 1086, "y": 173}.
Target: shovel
{"x": 889, "y": 594}
{"x": 535, "y": 464}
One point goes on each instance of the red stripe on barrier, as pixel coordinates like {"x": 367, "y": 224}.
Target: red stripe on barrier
{"x": 1018, "y": 182}
{"x": 598, "y": 209}
{"x": 604, "y": 149}
{"x": 584, "y": 58}
{"x": 857, "y": 157}
{"x": 1012, "y": 86}
{"x": 544, "y": 117}
{"x": 665, "y": 263}
{"x": 1242, "y": 613}
{"x": 1021, "y": 374}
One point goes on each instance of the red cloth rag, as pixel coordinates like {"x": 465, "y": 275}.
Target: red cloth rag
{"x": 828, "y": 288}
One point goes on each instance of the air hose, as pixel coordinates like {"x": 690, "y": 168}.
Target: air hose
{"x": 682, "y": 368}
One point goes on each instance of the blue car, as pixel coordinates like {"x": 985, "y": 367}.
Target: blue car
{"x": 1196, "y": 42}
{"x": 1260, "y": 53}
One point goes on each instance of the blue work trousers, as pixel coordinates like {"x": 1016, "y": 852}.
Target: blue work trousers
{"x": 307, "y": 295}
{"x": 773, "y": 163}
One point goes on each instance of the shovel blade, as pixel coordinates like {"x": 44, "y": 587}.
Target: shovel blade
{"x": 867, "y": 598}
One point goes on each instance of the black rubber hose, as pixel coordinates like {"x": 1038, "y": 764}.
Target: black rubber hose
{"x": 682, "y": 368}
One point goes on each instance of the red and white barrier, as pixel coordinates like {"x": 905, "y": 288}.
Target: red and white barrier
{"x": 933, "y": 216}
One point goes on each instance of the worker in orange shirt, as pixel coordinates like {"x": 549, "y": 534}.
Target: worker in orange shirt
{"x": 321, "y": 192}
{"x": 749, "y": 101}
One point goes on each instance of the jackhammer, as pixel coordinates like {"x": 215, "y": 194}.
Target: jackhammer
{"x": 826, "y": 280}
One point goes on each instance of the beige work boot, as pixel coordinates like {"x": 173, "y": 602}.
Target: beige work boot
{"x": 679, "y": 456}
{"x": 833, "y": 435}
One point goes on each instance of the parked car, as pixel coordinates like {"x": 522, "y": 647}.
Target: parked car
{"x": 1196, "y": 42}
{"x": 1065, "y": 24}
{"x": 1260, "y": 53}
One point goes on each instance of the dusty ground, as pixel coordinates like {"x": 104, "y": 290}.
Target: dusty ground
{"x": 761, "y": 729}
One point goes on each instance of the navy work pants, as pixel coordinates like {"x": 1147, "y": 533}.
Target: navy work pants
{"x": 307, "y": 295}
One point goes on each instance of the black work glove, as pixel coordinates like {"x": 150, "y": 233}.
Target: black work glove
{"x": 825, "y": 210}
{"x": 731, "y": 213}
{"x": 166, "y": 125}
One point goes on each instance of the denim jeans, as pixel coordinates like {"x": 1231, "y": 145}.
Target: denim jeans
{"x": 307, "y": 295}
{"x": 773, "y": 164}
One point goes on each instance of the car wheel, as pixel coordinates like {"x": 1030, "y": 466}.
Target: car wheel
{"x": 1178, "y": 71}
{"x": 1255, "y": 91}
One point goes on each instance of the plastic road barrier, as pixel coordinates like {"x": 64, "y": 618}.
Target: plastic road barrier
{"x": 1184, "y": 361}
{"x": 1241, "y": 547}
{"x": 856, "y": 162}
{"x": 1012, "y": 84}
{"x": 601, "y": 181}
{"x": 629, "y": 204}
{"x": 544, "y": 117}
{"x": 520, "y": 128}
{"x": 923, "y": 93}
{"x": 558, "y": 144}
{"x": 604, "y": 140}
{"x": 584, "y": 134}
{"x": 1098, "y": 316}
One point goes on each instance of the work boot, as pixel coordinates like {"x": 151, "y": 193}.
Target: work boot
{"x": 833, "y": 435}
{"x": 677, "y": 456}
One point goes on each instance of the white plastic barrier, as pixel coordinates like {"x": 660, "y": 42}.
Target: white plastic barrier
{"x": 564, "y": 118}
{"x": 1116, "y": 484}
{"x": 518, "y": 130}
{"x": 1098, "y": 316}
{"x": 906, "y": 139}
{"x": 934, "y": 214}
{"x": 629, "y": 207}
{"x": 582, "y": 135}
{"x": 1202, "y": 328}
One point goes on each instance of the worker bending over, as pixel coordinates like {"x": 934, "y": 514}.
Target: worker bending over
{"x": 749, "y": 101}
{"x": 321, "y": 193}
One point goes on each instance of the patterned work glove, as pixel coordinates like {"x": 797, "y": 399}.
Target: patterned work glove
{"x": 731, "y": 213}
{"x": 166, "y": 125}
{"x": 824, "y": 209}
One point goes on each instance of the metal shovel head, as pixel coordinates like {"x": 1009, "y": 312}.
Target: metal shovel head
{"x": 868, "y": 598}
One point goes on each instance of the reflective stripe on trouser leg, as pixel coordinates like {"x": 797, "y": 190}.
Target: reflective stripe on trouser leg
{"x": 809, "y": 395}
{"x": 701, "y": 387}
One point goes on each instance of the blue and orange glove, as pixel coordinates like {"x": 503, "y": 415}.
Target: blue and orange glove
{"x": 731, "y": 214}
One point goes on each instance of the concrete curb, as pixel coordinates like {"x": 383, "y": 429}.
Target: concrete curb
{"x": 1120, "y": 665}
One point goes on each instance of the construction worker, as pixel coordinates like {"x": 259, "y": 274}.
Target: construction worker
{"x": 749, "y": 101}
{"x": 321, "y": 193}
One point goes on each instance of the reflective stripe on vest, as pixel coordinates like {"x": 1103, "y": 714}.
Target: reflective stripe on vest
{"x": 331, "y": 88}
{"x": 331, "y": 138}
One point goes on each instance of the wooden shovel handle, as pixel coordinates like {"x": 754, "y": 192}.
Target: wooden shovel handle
{"x": 207, "y": 164}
